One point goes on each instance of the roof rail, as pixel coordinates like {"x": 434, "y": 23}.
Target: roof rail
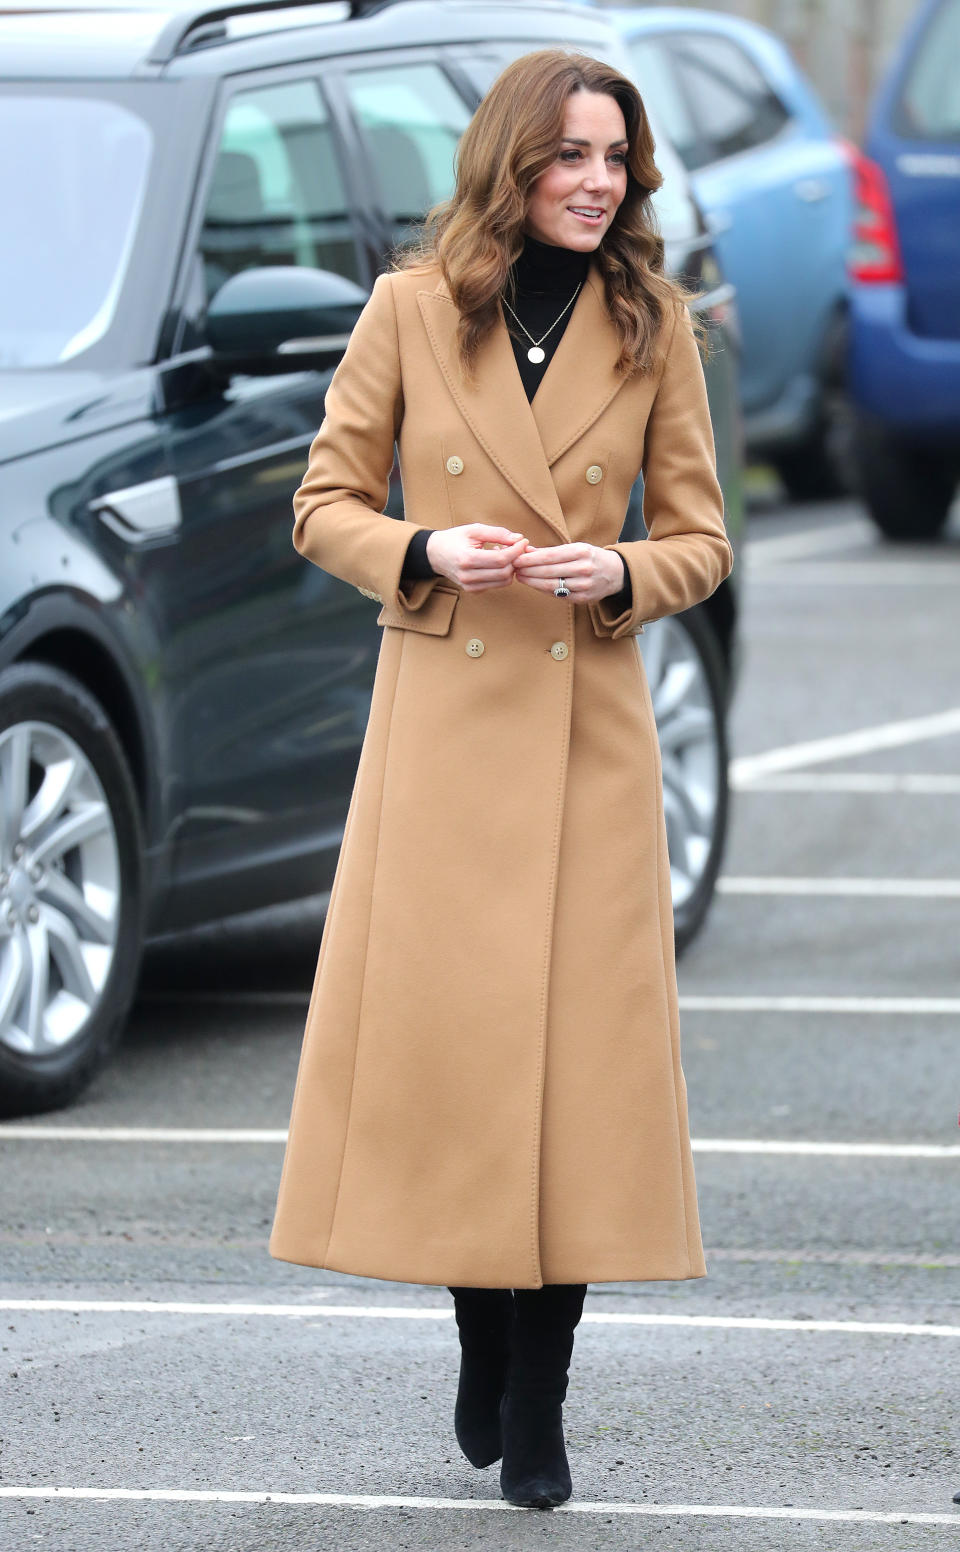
{"x": 201, "y": 24}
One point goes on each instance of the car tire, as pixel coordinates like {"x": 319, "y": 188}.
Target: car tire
{"x": 820, "y": 468}
{"x": 688, "y": 680}
{"x": 71, "y": 889}
{"x": 908, "y": 491}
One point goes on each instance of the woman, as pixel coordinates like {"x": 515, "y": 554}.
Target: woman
{"x": 490, "y": 1094}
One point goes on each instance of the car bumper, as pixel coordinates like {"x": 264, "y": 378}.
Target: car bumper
{"x": 906, "y": 381}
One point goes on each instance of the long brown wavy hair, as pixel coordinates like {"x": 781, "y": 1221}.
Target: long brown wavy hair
{"x": 512, "y": 139}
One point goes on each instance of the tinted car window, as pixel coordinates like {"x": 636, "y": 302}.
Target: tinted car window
{"x": 655, "y": 76}
{"x": 733, "y": 105}
{"x": 72, "y": 180}
{"x": 930, "y": 100}
{"x": 277, "y": 195}
{"x": 412, "y": 119}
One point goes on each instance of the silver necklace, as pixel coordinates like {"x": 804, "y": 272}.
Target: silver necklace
{"x": 535, "y": 354}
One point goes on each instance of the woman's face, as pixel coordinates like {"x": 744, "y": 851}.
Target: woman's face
{"x": 573, "y": 203}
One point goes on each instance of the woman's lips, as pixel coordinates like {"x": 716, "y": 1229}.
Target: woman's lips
{"x": 592, "y": 215}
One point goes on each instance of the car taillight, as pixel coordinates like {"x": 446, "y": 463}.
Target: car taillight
{"x": 874, "y": 254}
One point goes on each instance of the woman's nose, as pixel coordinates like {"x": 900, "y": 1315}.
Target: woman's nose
{"x": 598, "y": 176}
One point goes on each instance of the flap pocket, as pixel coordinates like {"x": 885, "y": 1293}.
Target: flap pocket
{"x": 431, "y": 619}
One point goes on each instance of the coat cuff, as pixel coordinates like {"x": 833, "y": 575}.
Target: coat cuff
{"x": 392, "y": 589}
{"x": 619, "y": 615}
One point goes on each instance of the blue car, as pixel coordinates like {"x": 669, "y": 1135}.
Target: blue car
{"x": 905, "y": 305}
{"x": 776, "y": 186}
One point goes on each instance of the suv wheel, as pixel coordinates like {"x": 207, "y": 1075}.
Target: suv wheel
{"x": 687, "y": 678}
{"x": 908, "y": 491}
{"x": 70, "y": 888}
{"x": 821, "y": 466}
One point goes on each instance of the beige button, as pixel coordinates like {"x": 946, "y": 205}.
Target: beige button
{"x": 594, "y": 474}
{"x": 474, "y": 647}
{"x": 454, "y": 464}
{"x": 559, "y": 651}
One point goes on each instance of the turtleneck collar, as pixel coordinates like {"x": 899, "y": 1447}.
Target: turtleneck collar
{"x": 543, "y": 269}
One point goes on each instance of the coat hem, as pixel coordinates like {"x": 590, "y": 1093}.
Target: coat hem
{"x": 600, "y": 1267}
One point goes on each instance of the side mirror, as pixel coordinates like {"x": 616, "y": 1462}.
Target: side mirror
{"x": 282, "y": 319}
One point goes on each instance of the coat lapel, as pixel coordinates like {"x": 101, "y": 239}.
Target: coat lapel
{"x": 582, "y": 379}
{"x": 524, "y": 440}
{"x": 495, "y": 407}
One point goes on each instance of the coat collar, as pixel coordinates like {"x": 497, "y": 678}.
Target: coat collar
{"x": 524, "y": 439}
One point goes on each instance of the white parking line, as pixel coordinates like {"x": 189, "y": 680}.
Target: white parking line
{"x": 412, "y": 1312}
{"x": 23, "y": 1132}
{"x": 391, "y": 1501}
{"x": 842, "y": 746}
{"x": 879, "y": 888}
{"x": 709, "y": 1002}
{"x": 933, "y": 785}
{"x": 829, "y": 1150}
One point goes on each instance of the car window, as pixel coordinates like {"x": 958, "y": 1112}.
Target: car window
{"x": 412, "y": 119}
{"x": 930, "y": 98}
{"x": 277, "y": 194}
{"x": 734, "y": 107}
{"x": 660, "y": 90}
{"x": 73, "y": 179}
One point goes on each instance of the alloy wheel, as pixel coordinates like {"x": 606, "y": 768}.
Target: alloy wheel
{"x": 60, "y": 889}
{"x": 690, "y": 751}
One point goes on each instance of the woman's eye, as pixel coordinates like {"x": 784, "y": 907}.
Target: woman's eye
{"x": 619, "y": 158}
{"x": 569, "y": 156}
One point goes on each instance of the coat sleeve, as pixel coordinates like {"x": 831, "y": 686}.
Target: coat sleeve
{"x": 339, "y": 522}
{"x": 686, "y": 554}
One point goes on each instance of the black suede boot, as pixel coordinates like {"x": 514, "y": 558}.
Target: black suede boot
{"x": 484, "y": 1321}
{"x": 535, "y": 1473}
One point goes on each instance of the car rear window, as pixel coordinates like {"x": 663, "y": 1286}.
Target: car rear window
{"x": 929, "y": 102}
{"x": 73, "y": 178}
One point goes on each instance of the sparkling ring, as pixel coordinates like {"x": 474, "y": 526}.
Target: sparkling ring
{"x": 561, "y": 590}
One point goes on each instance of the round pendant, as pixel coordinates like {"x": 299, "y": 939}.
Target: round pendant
{"x": 535, "y": 354}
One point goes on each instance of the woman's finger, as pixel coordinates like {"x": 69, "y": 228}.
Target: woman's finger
{"x": 487, "y": 533}
{"x": 557, "y": 569}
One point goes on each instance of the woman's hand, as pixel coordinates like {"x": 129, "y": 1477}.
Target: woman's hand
{"x": 588, "y": 572}
{"x": 476, "y": 556}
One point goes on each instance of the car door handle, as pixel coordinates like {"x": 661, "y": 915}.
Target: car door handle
{"x": 141, "y": 512}
{"x": 811, "y": 190}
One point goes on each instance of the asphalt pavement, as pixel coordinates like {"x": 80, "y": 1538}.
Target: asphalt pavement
{"x": 165, "y": 1385}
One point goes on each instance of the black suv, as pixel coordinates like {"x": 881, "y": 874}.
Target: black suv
{"x": 196, "y": 208}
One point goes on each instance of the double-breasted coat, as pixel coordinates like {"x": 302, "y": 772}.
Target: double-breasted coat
{"x": 490, "y": 1091}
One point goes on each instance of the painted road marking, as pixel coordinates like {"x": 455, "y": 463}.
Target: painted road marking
{"x": 875, "y": 888}
{"x": 411, "y": 1312}
{"x": 18, "y": 1132}
{"x": 710, "y": 1002}
{"x": 390, "y": 1501}
{"x": 829, "y": 1150}
{"x": 883, "y": 782}
{"x": 841, "y": 746}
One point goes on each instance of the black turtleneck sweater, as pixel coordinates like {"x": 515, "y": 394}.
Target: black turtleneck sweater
{"x": 541, "y": 281}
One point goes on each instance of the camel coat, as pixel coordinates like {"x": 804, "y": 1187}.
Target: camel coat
{"x": 490, "y": 1091}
